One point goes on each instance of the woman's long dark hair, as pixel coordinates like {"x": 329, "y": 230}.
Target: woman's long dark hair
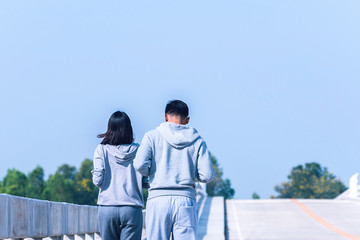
{"x": 119, "y": 130}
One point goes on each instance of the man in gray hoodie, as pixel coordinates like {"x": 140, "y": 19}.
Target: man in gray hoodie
{"x": 173, "y": 155}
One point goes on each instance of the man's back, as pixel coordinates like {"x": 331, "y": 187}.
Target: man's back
{"x": 173, "y": 156}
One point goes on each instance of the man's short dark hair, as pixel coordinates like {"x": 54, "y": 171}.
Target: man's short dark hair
{"x": 177, "y": 107}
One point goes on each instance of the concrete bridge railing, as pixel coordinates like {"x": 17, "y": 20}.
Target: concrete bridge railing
{"x": 30, "y": 218}
{"x": 38, "y": 219}
{"x": 354, "y": 189}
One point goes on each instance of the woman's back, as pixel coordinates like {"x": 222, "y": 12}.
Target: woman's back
{"x": 114, "y": 174}
{"x": 120, "y": 187}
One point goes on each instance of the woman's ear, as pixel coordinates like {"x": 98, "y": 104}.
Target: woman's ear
{"x": 166, "y": 118}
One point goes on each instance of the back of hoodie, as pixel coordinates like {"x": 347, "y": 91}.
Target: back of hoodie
{"x": 173, "y": 156}
{"x": 118, "y": 181}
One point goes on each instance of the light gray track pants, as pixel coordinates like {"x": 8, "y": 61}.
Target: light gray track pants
{"x": 120, "y": 222}
{"x": 171, "y": 214}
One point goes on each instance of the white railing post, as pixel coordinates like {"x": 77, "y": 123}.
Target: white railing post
{"x": 68, "y": 237}
{"x": 89, "y": 236}
{"x": 97, "y": 236}
{"x": 353, "y": 186}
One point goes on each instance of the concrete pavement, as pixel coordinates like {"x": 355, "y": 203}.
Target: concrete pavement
{"x": 211, "y": 224}
{"x": 293, "y": 220}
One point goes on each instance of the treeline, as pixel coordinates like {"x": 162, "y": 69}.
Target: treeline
{"x": 73, "y": 185}
{"x": 310, "y": 181}
{"x": 219, "y": 186}
{"x": 67, "y": 184}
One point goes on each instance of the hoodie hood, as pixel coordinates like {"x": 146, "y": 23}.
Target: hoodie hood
{"x": 124, "y": 152}
{"x": 178, "y": 136}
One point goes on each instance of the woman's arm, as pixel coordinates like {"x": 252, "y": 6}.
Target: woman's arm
{"x": 99, "y": 166}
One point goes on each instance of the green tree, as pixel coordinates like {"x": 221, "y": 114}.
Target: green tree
{"x": 219, "y": 186}
{"x": 255, "y": 196}
{"x": 310, "y": 181}
{"x": 86, "y": 191}
{"x": 15, "y": 183}
{"x": 36, "y": 183}
{"x": 61, "y": 186}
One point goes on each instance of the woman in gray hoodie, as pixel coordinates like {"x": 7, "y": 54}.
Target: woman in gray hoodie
{"x": 120, "y": 197}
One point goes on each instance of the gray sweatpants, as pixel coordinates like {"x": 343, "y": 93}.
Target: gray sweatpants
{"x": 120, "y": 223}
{"x": 171, "y": 214}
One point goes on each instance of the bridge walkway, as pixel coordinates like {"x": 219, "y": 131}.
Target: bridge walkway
{"x": 293, "y": 219}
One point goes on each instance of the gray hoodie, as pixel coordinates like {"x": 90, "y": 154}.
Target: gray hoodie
{"x": 173, "y": 156}
{"x": 115, "y": 175}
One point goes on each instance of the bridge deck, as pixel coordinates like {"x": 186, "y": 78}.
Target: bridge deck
{"x": 246, "y": 219}
{"x": 293, "y": 219}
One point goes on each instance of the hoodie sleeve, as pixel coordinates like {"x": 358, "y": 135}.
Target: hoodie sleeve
{"x": 142, "y": 161}
{"x": 205, "y": 170}
{"x": 99, "y": 167}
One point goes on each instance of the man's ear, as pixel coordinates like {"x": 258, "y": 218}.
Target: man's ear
{"x": 166, "y": 118}
{"x": 187, "y": 120}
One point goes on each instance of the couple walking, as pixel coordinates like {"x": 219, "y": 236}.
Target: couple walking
{"x": 169, "y": 158}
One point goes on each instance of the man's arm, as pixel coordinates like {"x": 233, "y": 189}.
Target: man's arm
{"x": 142, "y": 161}
{"x": 205, "y": 170}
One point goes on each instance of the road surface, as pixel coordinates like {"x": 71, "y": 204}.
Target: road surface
{"x": 293, "y": 219}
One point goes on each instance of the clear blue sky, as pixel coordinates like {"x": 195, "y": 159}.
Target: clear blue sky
{"x": 270, "y": 84}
